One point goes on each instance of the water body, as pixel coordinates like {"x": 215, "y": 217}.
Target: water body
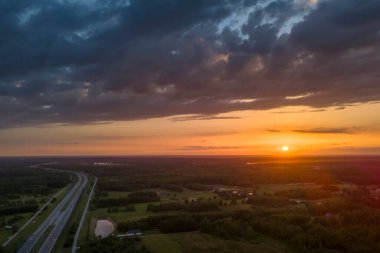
{"x": 104, "y": 228}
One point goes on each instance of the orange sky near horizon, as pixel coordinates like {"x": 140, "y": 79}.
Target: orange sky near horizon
{"x": 189, "y": 78}
{"x": 354, "y": 129}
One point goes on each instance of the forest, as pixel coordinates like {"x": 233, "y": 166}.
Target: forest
{"x": 306, "y": 205}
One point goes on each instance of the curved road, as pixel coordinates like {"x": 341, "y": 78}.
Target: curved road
{"x": 46, "y": 235}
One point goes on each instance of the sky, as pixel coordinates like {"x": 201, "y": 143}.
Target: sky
{"x": 189, "y": 77}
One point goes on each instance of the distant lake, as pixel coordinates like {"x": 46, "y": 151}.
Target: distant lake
{"x": 104, "y": 228}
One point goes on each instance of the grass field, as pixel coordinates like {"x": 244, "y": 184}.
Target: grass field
{"x": 201, "y": 243}
{"x": 4, "y": 233}
{"x": 112, "y": 194}
{"x": 32, "y": 197}
{"x": 166, "y": 196}
{"x": 241, "y": 206}
{"x": 196, "y": 194}
{"x": 161, "y": 243}
{"x": 84, "y": 233}
{"x": 139, "y": 213}
{"x": 273, "y": 188}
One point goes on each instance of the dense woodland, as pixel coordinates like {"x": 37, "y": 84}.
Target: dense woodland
{"x": 131, "y": 174}
{"x": 188, "y": 206}
{"x": 347, "y": 222}
{"x": 113, "y": 245}
{"x": 133, "y": 197}
{"x": 24, "y": 189}
{"x": 350, "y": 229}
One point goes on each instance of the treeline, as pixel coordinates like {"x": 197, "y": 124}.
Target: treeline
{"x": 142, "y": 173}
{"x": 177, "y": 185}
{"x": 18, "y": 209}
{"x": 113, "y": 244}
{"x": 362, "y": 195}
{"x": 172, "y": 187}
{"x": 16, "y": 189}
{"x": 16, "y": 181}
{"x": 133, "y": 197}
{"x": 189, "y": 206}
{"x": 116, "y": 209}
{"x": 165, "y": 223}
{"x": 30, "y": 182}
{"x": 304, "y": 193}
{"x": 269, "y": 201}
{"x": 5, "y": 201}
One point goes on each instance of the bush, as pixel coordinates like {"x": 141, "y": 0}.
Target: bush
{"x": 178, "y": 224}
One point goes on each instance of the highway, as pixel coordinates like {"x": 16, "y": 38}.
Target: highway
{"x": 46, "y": 235}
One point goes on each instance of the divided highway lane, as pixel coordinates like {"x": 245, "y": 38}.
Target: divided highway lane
{"x": 62, "y": 220}
{"x": 56, "y": 221}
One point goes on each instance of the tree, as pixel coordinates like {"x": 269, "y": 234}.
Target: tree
{"x": 206, "y": 226}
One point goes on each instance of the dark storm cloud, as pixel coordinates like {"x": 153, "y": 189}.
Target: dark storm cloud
{"x": 367, "y": 150}
{"x": 335, "y": 26}
{"x": 323, "y": 130}
{"x": 89, "y": 61}
{"x": 274, "y": 131}
{"x": 202, "y": 117}
{"x": 197, "y": 148}
{"x": 319, "y": 130}
{"x": 209, "y": 134}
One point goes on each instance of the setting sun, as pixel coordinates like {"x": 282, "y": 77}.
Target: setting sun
{"x": 284, "y": 148}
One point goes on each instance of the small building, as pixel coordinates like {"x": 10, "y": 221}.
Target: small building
{"x": 131, "y": 233}
{"x": 297, "y": 201}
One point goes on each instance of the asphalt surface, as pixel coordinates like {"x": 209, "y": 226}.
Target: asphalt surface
{"x": 56, "y": 221}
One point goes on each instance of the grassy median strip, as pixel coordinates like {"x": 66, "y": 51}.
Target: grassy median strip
{"x": 69, "y": 200}
{"x": 66, "y": 205}
{"x": 85, "y": 231}
{"x": 42, "y": 240}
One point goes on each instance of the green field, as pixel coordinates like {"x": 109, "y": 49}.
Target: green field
{"x": 4, "y": 233}
{"x": 273, "y": 188}
{"x": 236, "y": 207}
{"x": 113, "y": 194}
{"x": 161, "y": 243}
{"x": 84, "y": 233}
{"x": 201, "y": 243}
{"x": 196, "y": 194}
{"x": 140, "y": 208}
{"x": 139, "y": 213}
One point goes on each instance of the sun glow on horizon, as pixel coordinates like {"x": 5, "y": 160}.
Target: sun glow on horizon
{"x": 284, "y": 148}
